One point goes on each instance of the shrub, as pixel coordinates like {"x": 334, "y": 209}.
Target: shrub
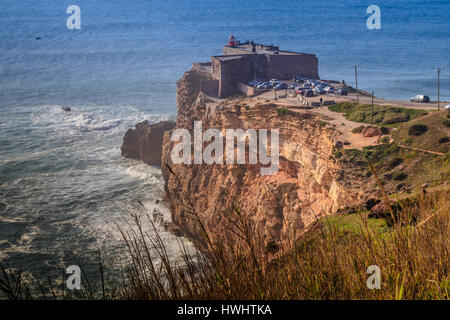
{"x": 398, "y": 176}
{"x": 444, "y": 140}
{"x": 282, "y": 111}
{"x": 391, "y": 118}
{"x": 385, "y": 139}
{"x": 322, "y": 123}
{"x": 417, "y": 130}
{"x": 384, "y": 130}
{"x": 358, "y": 129}
{"x": 395, "y": 162}
{"x": 447, "y": 123}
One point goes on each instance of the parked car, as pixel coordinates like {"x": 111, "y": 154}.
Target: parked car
{"x": 341, "y": 92}
{"x": 281, "y": 86}
{"x": 447, "y": 107}
{"x": 255, "y": 82}
{"x": 294, "y": 85}
{"x": 307, "y": 85}
{"x": 264, "y": 85}
{"x": 329, "y": 89}
{"x": 420, "y": 98}
{"x": 300, "y": 90}
{"x": 274, "y": 81}
{"x": 318, "y": 90}
{"x": 308, "y": 93}
{"x": 301, "y": 79}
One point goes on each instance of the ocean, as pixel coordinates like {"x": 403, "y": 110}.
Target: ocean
{"x": 64, "y": 187}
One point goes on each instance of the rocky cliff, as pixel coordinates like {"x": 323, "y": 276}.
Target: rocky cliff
{"x": 145, "y": 142}
{"x": 309, "y": 183}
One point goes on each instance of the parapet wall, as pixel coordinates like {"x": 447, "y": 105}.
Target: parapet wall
{"x": 246, "y": 89}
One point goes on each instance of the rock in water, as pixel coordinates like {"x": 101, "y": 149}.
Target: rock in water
{"x": 145, "y": 141}
{"x": 67, "y": 109}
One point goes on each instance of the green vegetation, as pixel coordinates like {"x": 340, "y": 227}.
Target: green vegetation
{"x": 358, "y": 129}
{"x": 395, "y": 163}
{"x": 399, "y": 176}
{"x": 384, "y": 130}
{"x": 354, "y": 223}
{"x": 386, "y": 115}
{"x": 429, "y": 139}
{"x": 417, "y": 129}
{"x": 329, "y": 261}
{"x": 283, "y": 111}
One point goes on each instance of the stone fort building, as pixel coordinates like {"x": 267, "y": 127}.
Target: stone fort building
{"x": 244, "y": 62}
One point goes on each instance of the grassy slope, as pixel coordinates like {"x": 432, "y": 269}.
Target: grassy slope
{"x": 398, "y": 166}
{"x": 382, "y": 115}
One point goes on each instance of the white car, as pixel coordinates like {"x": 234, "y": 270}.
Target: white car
{"x": 447, "y": 107}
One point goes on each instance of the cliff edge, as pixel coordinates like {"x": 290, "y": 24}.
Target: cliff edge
{"x": 309, "y": 183}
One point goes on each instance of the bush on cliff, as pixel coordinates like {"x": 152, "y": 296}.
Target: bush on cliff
{"x": 283, "y": 111}
{"x": 417, "y": 129}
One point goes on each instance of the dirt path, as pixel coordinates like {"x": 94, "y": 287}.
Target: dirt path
{"x": 357, "y": 141}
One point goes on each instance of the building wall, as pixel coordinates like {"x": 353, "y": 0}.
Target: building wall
{"x": 232, "y": 51}
{"x": 210, "y": 87}
{"x": 247, "y": 66}
{"x": 246, "y": 89}
{"x": 231, "y": 72}
{"x": 285, "y": 67}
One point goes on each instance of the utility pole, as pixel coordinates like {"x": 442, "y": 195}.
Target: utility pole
{"x": 371, "y": 121}
{"x": 356, "y": 79}
{"x": 439, "y": 84}
{"x": 439, "y": 80}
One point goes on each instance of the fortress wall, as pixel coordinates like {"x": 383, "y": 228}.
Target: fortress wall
{"x": 232, "y": 51}
{"x": 210, "y": 87}
{"x": 215, "y": 64}
{"x": 231, "y": 72}
{"x": 285, "y": 67}
{"x": 202, "y": 66}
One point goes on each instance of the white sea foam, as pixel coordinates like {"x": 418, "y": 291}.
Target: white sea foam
{"x": 144, "y": 172}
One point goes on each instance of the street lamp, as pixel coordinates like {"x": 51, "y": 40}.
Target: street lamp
{"x": 439, "y": 80}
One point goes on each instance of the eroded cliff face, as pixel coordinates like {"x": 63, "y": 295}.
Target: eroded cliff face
{"x": 308, "y": 185}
